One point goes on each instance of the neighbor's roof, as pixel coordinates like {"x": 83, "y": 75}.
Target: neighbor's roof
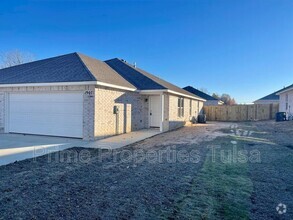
{"x": 288, "y": 88}
{"x": 200, "y": 93}
{"x": 73, "y": 67}
{"x": 143, "y": 80}
{"x": 274, "y": 96}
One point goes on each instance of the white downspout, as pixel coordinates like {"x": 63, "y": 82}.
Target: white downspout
{"x": 162, "y": 119}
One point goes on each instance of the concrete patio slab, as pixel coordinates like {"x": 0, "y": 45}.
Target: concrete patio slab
{"x": 16, "y": 147}
{"x": 123, "y": 140}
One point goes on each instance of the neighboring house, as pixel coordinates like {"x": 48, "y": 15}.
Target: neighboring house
{"x": 77, "y": 96}
{"x": 269, "y": 99}
{"x": 286, "y": 100}
{"x": 273, "y": 98}
{"x": 210, "y": 100}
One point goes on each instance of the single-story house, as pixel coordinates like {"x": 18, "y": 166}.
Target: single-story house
{"x": 74, "y": 95}
{"x": 210, "y": 100}
{"x": 286, "y": 100}
{"x": 269, "y": 99}
{"x": 273, "y": 98}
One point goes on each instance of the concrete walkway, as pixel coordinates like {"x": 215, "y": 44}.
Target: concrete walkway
{"x": 16, "y": 147}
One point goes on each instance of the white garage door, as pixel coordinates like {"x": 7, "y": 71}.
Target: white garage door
{"x": 56, "y": 114}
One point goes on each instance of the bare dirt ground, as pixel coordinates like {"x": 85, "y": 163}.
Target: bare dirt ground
{"x": 188, "y": 135}
{"x": 272, "y": 178}
{"x": 175, "y": 175}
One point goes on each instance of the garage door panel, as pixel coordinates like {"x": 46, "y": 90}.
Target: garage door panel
{"x": 46, "y": 97}
{"x": 50, "y": 120}
{"x": 57, "y": 108}
{"x": 57, "y": 114}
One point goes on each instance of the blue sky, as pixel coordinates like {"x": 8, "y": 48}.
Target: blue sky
{"x": 242, "y": 47}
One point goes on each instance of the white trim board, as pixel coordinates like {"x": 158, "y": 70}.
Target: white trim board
{"x": 286, "y": 90}
{"x": 100, "y": 84}
{"x": 160, "y": 91}
{"x": 67, "y": 84}
{"x": 48, "y": 84}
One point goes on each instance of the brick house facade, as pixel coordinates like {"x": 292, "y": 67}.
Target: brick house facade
{"x": 113, "y": 98}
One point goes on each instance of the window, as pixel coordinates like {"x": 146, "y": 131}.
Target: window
{"x": 180, "y": 107}
{"x": 287, "y": 100}
{"x": 190, "y": 107}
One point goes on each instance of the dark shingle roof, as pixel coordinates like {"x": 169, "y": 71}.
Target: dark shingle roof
{"x": 286, "y": 88}
{"x": 103, "y": 72}
{"x": 74, "y": 67}
{"x": 66, "y": 68}
{"x": 199, "y": 93}
{"x": 139, "y": 80}
{"x": 142, "y": 79}
{"x": 274, "y": 95}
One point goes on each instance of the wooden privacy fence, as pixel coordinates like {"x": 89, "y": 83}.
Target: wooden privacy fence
{"x": 241, "y": 112}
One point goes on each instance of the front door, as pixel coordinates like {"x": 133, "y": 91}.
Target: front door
{"x": 155, "y": 111}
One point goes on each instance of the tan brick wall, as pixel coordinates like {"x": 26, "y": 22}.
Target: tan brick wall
{"x": 88, "y": 105}
{"x": 132, "y": 116}
{"x": 201, "y": 104}
{"x": 99, "y": 121}
{"x": 196, "y": 107}
{"x": 166, "y": 112}
{"x": 174, "y": 120}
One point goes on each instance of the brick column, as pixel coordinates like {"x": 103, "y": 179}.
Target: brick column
{"x": 89, "y": 113}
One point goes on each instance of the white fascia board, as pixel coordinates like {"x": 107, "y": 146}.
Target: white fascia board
{"x": 286, "y": 90}
{"x": 152, "y": 91}
{"x": 67, "y": 84}
{"x": 49, "y": 84}
{"x": 188, "y": 96}
{"x": 159, "y": 91}
{"x": 115, "y": 86}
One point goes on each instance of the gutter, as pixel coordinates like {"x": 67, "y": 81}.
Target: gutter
{"x": 159, "y": 91}
{"x": 286, "y": 90}
{"x": 100, "y": 84}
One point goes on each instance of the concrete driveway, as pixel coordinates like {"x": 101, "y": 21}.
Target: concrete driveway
{"x": 16, "y": 147}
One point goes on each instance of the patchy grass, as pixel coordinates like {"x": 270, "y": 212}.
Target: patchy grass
{"x": 107, "y": 187}
{"x": 221, "y": 190}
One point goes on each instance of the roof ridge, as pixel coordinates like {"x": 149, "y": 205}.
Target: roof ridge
{"x": 145, "y": 73}
{"x": 274, "y": 93}
{"x": 201, "y": 92}
{"x": 35, "y": 61}
{"x": 85, "y": 66}
{"x": 134, "y": 69}
{"x": 163, "y": 80}
{"x": 44, "y": 62}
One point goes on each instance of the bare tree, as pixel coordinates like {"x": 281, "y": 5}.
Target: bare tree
{"x": 227, "y": 99}
{"x": 216, "y": 96}
{"x": 204, "y": 90}
{"x": 15, "y": 57}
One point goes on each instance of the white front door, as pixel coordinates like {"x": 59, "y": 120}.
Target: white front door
{"x": 55, "y": 114}
{"x": 155, "y": 111}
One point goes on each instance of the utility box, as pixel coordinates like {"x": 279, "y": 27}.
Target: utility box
{"x": 115, "y": 110}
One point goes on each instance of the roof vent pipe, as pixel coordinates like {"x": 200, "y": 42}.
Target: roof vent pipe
{"x": 134, "y": 65}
